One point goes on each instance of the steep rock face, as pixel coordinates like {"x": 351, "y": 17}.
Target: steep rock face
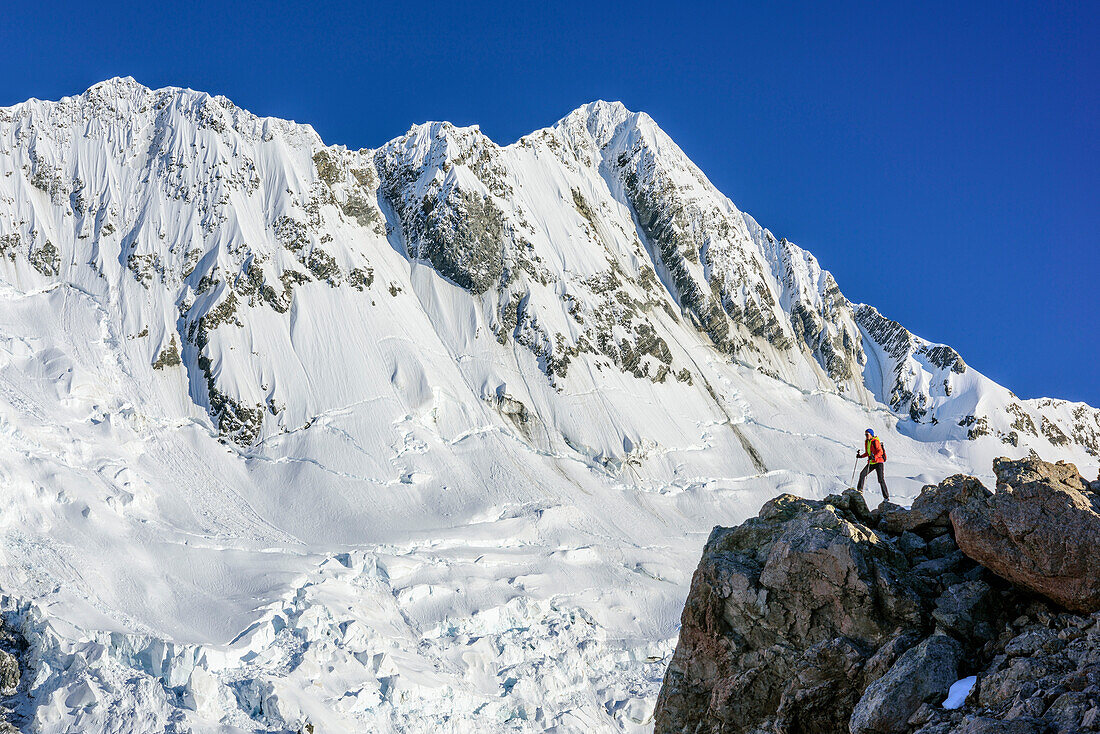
{"x": 820, "y": 315}
{"x": 780, "y": 634}
{"x": 733, "y": 279}
{"x": 702, "y": 244}
{"x": 914, "y": 371}
{"x": 15, "y": 656}
{"x": 1041, "y": 530}
{"x": 438, "y": 178}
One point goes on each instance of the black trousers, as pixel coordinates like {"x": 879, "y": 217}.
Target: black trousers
{"x": 877, "y": 468}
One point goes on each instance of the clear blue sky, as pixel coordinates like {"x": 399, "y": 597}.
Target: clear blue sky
{"x": 941, "y": 159}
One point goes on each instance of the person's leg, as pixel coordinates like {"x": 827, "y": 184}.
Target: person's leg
{"x": 863, "y": 477}
{"x": 881, "y": 471}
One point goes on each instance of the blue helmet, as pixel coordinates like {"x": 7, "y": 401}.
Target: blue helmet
{"x": 871, "y": 431}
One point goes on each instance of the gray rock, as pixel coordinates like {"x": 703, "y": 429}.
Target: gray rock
{"x": 931, "y": 510}
{"x": 938, "y": 567}
{"x": 9, "y": 673}
{"x": 963, "y": 606}
{"x": 852, "y": 503}
{"x": 750, "y": 655}
{"x": 1034, "y": 641}
{"x": 820, "y": 693}
{"x": 1091, "y": 719}
{"x": 940, "y": 727}
{"x": 921, "y": 674}
{"x": 987, "y": 725}
{"x": 924, "y": 715}
{"x": 884, "y": 659}
{"x": 857, "y": 505}
{"x": 1041, "y": 530}
{"x": 941, "y": 546}
{"x": 814, "y": 617}
{"x": 911, "y": 544}
{"x": 1019, "y": 678}
{"x": 1026, "y": 708}
{"x": 1068, "y": 710}
{"x": 893, "y": 517}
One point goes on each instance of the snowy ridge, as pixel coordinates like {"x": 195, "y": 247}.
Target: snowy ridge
{"x": 421, "y": 437}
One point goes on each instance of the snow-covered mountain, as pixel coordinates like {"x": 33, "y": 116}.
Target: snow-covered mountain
{"x": 416, "y": 438}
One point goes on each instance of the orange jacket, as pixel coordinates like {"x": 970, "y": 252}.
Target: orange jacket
{"x": 874, "y": 452}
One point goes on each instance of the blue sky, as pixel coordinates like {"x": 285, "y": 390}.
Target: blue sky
{"x": 941, "y": 159}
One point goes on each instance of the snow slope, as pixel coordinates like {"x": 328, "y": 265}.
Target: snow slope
{"x": 426, "y": 437}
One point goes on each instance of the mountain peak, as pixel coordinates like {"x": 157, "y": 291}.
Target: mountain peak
{"x": 602, "y": 121}
{"x": 119, "y": 82}
{"x": 603, "y": 108}
{"x": 123, "y": 88}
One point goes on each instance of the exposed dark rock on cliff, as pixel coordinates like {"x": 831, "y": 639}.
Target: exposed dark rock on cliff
{"x": 820, "y": 616}
{"x": 898, "y": 343}
{"x": 12, "y": 649}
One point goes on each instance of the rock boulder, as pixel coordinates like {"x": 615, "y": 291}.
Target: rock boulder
{"x": 923, "y": 673}
{"x": 931, "y": 510}
{"x": 1040, "y": 530}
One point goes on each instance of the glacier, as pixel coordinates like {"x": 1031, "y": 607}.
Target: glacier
{"x": 420, "y": 438}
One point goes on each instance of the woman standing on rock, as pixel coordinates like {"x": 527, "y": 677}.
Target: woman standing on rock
{"x": 876, "y": 460}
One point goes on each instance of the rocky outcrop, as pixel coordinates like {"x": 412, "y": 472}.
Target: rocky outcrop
{"x": 1040, "y": 530}
{"x": 9, "y": 673}
{"x": 793, "y": 614}
{"x": 820, "y": 616}
{"x": 775, "y": 629}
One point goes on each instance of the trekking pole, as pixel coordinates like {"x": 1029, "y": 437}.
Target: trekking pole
{"x": 854, "y": 467}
